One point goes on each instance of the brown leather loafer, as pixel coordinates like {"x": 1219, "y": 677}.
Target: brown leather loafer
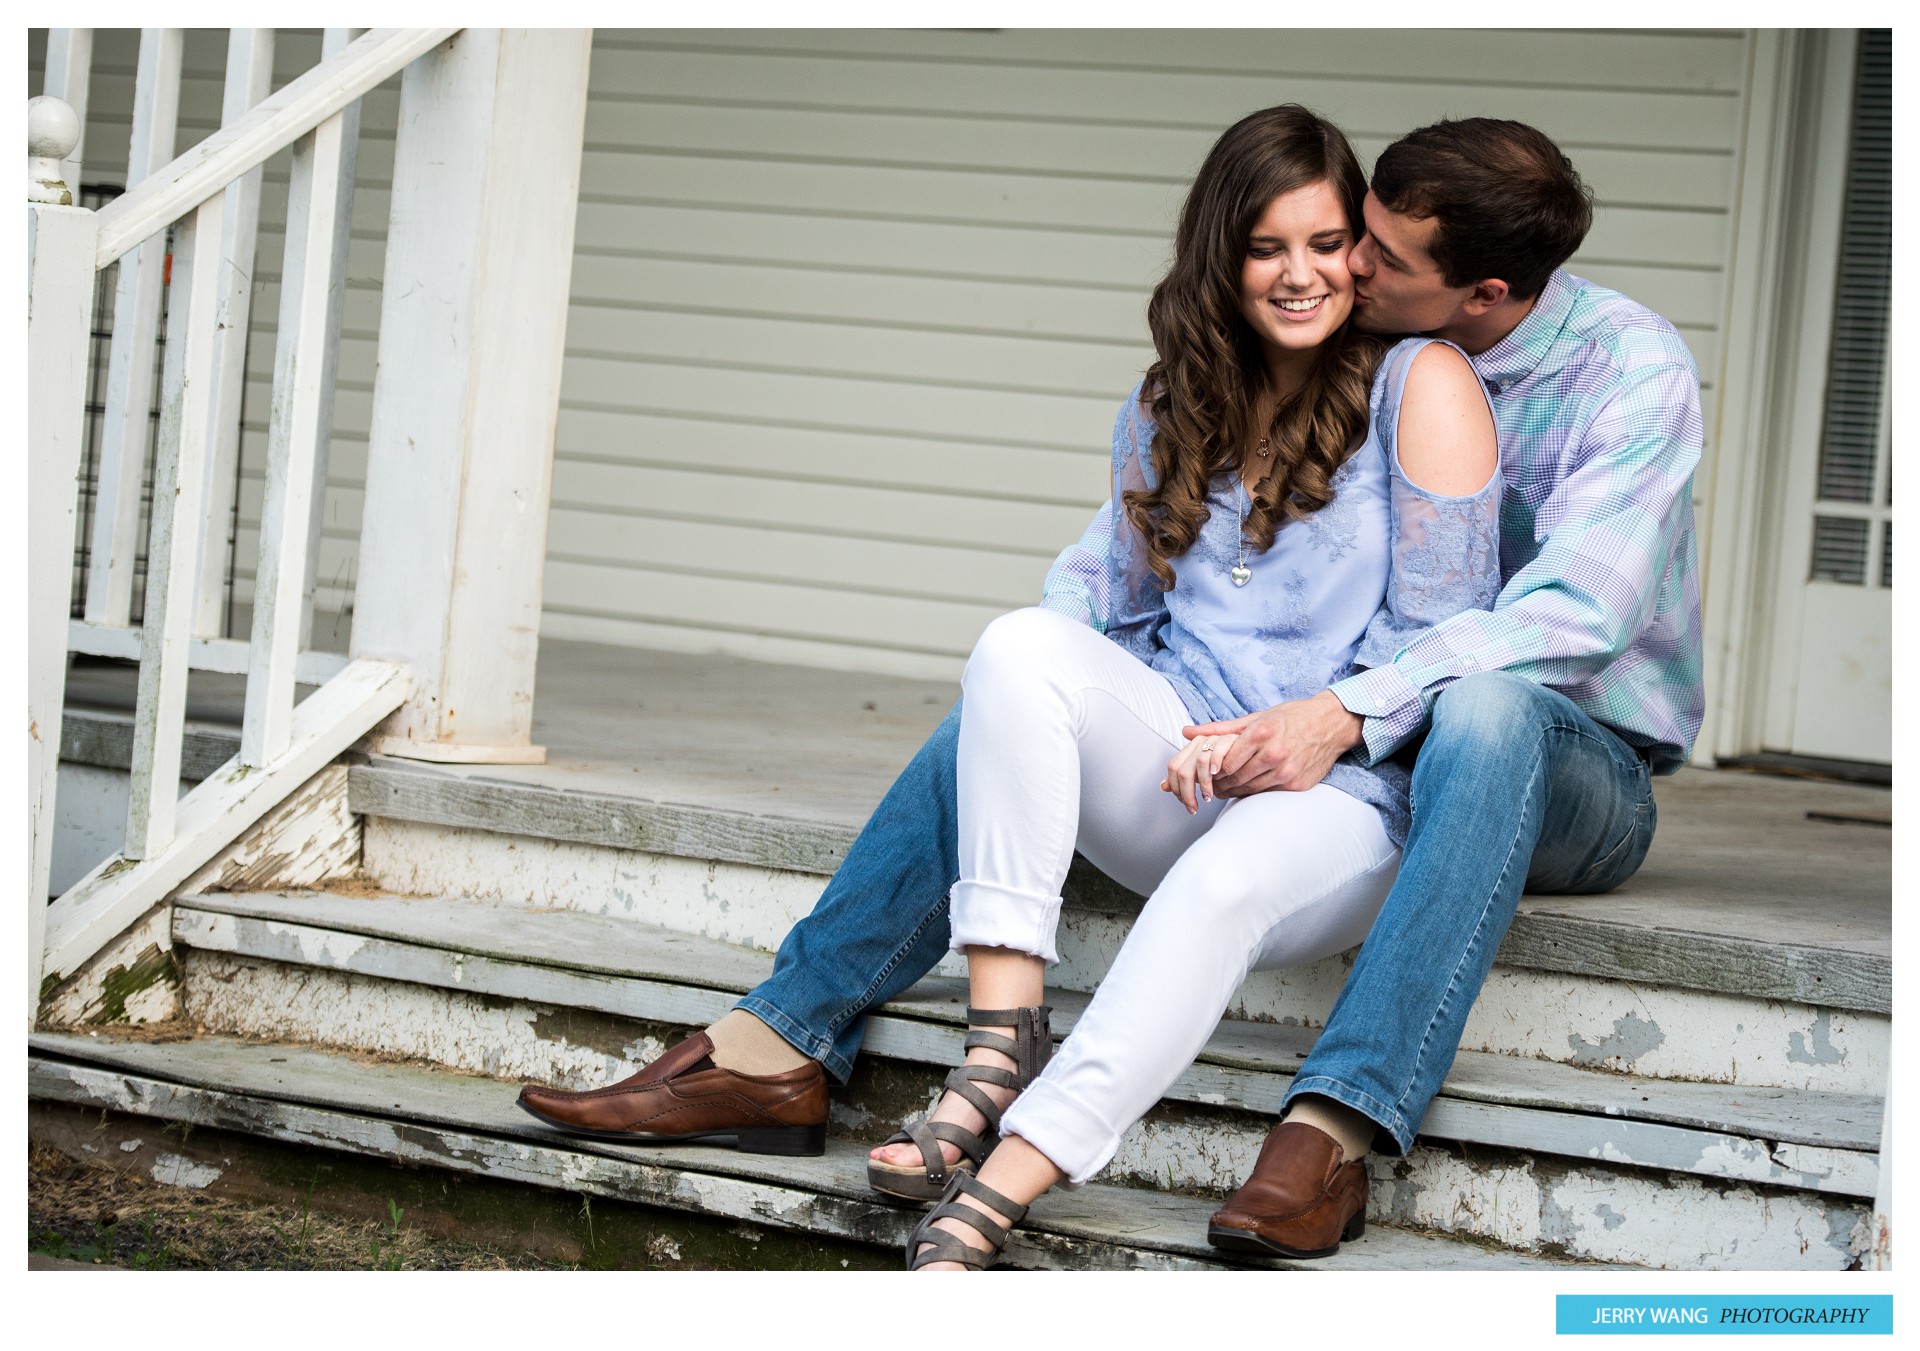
{"x": 1301, "y": 1200}
{"x": 683, "y": 1097}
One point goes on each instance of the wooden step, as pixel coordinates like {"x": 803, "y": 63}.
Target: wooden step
{"x": 1824, "y": 1143}
{"x": 438, "y": 1119}
{"x": 1591, "y": 936}
{"x": 1717, "y": 915}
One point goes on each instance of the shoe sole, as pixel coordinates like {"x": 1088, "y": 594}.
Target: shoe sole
{"x": 787, "y": 1141}
{"x": 926, "y": 1194}
{"x": 1246, "y": 1241}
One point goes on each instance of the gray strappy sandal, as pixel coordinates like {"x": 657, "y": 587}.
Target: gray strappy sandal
{"x": 941, "y": 1246}
{"x": 1029, "y": 1048}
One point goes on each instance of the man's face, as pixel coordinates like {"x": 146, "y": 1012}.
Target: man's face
{"x": 1397, "y": 285}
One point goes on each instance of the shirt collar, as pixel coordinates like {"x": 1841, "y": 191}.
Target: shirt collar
{"x": 1517, "y": 354}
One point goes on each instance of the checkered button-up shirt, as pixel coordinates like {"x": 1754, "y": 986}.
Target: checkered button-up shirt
{"x": 1598, "y": 405}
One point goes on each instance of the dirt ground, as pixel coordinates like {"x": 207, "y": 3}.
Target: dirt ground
{"x": 93, "y": 1212}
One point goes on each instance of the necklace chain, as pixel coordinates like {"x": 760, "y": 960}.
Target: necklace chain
{"x": 1242, "y": 574}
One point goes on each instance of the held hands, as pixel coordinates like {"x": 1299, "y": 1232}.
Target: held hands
{"x": 1190, "y": 773}
{"x": 1290, "y": 746}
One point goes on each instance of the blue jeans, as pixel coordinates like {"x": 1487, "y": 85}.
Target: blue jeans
{"x": 1514, "y": 788}
{"x": 881, "y": 924}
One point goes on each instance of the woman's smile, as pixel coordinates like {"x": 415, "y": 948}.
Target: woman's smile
{"x": 1296, "y": 310}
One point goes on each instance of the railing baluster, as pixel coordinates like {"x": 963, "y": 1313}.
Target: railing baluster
{"x": 136, "y": 317}
{"x": 334, "y": 41}
{"x": 69, "y": 64}
{"x": 249, "y": 77}
{"x": 309, "y": 289}
{"x": 186, "y": 412}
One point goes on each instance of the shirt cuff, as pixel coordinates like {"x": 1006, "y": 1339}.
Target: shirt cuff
{"x": 1392, "y": 706}
{"x": 1071, "y": 601}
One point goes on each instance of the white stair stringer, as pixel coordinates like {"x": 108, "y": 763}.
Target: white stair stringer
{"x": 215, "y": 812}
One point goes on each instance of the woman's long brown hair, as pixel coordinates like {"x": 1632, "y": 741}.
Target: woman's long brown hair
{"x": 1210, "y": 373}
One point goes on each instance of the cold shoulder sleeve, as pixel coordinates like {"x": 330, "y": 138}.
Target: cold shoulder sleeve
{"x": 1445, "y": 559}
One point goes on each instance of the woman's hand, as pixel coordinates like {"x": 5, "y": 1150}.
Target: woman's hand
{"x": 1190, "y": 773}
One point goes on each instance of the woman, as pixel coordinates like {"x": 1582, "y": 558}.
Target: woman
{"x": 1291, "y": 500}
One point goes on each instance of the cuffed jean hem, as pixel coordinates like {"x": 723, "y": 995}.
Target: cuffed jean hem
{"x": 808, "y": 1043}
{"x": 1386, "y": 1118}
{"x": 1076, "y": 1139}
{"x": 983, "y": 914}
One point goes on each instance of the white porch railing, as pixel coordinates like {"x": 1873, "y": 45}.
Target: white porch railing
{"x": 210, "y": 197}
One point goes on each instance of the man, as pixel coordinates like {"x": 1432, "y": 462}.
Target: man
{"x": 1537, "y": 724}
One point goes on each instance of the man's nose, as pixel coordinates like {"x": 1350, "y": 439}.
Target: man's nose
{"x": 1360, "y": 259}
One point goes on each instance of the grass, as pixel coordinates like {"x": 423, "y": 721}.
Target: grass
{"x": 96, "y": 1212}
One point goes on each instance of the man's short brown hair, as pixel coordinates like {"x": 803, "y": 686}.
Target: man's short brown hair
{"x": 1510, "y": 205}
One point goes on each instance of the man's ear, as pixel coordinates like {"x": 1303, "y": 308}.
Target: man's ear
{"x": 1485, "y": 295}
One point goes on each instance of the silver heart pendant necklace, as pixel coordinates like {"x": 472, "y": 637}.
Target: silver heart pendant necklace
{"x": 1242, "y": 574}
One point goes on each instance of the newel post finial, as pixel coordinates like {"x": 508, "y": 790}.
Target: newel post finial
{"x": 52, "y": 133}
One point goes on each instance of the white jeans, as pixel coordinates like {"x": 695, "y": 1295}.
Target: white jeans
{"x": 1064, "y": 739}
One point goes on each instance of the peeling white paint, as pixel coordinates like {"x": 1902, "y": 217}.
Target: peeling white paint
{"x": 1608, "y": 1024}
{"x": 1717, "y": 1038}
{"x": 1167, "y": 1155}
{"x": 79, "y": 1000}
{"x": 155, "y": 1004}
{"x": 733, "y": 902}
{"x": 426, "y": 860}
{"x": 308, "y": 839}
{"x": 1438, "y": 1190}
{"x": 853, "y": 1118}
{"x": 257, "y": 999}
{"x": 340, "y": 947}
{"x": 1688, "y": 1225}
{"x": 175, "y": 1170}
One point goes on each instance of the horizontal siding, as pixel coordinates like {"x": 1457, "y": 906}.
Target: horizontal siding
{"x": 1656, "y": 60}
{"x": 852, "y": 310}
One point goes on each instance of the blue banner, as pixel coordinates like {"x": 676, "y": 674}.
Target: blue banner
{"x": 1720, "y": 1315}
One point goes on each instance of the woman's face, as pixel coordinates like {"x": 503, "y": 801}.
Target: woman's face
{"x": 1295, "y": 289}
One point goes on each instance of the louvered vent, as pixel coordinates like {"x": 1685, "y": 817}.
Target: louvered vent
{"x": 1862, "y": 302}
{"x": 1840, "y": 549}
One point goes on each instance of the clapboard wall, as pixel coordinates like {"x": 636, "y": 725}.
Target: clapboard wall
{"x": 852, "y": 311}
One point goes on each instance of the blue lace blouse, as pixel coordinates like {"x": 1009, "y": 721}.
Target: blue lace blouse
{"x": 1340, "y": 591}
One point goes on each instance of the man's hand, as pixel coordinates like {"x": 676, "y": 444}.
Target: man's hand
{"x": 1290, "y": 746}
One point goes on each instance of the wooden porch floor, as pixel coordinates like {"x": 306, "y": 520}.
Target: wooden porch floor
{"x": 1739, "y": 855}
